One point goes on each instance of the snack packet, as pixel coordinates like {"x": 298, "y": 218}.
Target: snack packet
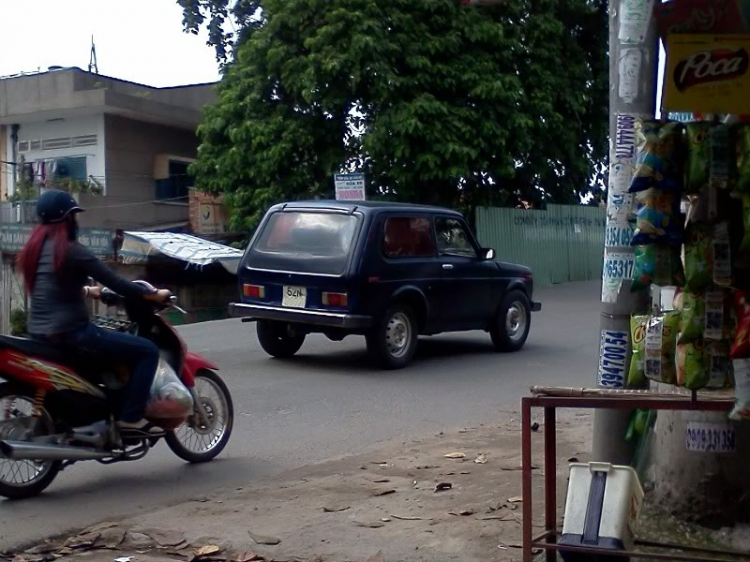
{"x": 705, "y": 316}
{"x": 719, "y": 171}
{"x": 745, "y": 246}
{"x": 659, "y": 156}
{"x": 742, "y": 183}
{"x": 741, "y": 345}
{"x": 660, "y": 265}
{"x": 722, "y": 255}
{"x": 741, "y": 411}
{"x": 658, "y": 218}
{"x": 699, "y": 258}
{"x": 699, "y": 156}
{"x": 718, "y": 366}
{"x": 636, "y": 375}
{"x": 691, "y": 365}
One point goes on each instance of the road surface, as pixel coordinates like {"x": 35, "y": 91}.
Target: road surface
{"x": 324, "y": 403}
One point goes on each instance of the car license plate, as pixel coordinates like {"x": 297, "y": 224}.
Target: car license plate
{"x": 294, "y": 297}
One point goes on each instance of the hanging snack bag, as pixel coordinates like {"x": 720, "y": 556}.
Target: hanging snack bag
{"x": 636, "y": 376}
{"x": 722, "y": 255}
{"x": 658, "y": 219}
{"x": 705, "y": 316}
{"x": 659, "y": 156}
{"x": 742, "y": 184}
{"x": 741, "y": 346}
{"x": 660, "y": 265}
{"x": 745, "y": 246}
{"x": 691, "y": 365}
{"x": 718, "y": 366}
{"x": 741, "y": 411}
{"x": 719, "y": 171}
{"x": 699, "y": 258}
{"x": 699, "y": 156}
{"x": 659, "y": 347}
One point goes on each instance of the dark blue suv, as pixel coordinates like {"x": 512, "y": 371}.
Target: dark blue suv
{"x": 387, "y": 271}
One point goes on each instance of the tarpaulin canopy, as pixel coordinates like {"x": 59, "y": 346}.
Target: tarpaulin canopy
{"x": 138, "y": 246}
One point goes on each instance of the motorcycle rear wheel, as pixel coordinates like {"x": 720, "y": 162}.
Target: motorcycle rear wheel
{"x": 23, "y": 478}
{"x": 195, "y": 443}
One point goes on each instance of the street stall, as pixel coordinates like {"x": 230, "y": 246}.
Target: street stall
{"x": 676, "y": 284}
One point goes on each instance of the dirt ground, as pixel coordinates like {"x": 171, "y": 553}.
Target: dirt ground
{"x": 379, "y": 507}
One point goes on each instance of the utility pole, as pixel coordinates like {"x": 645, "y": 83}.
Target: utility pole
{"x": 633, "y": 67}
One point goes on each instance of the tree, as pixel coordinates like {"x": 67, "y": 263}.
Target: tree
{"x": 437, "y": 102}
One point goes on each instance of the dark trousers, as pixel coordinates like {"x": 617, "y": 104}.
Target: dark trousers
{"x": 140, "y": 354}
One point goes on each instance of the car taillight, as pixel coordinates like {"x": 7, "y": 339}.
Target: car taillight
{"x": 340, "y": 300}
{"x": 254, "y": 291}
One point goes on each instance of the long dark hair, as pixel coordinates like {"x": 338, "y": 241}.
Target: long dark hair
{"x": 28, "y": 259}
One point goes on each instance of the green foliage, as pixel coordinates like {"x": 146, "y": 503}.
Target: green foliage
{"x": 28, "y": 191}
{"x": 18, "y": 322}
{"x": 437, "y": 102}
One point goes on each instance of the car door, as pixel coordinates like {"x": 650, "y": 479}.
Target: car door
{"x": 466, "y": 277}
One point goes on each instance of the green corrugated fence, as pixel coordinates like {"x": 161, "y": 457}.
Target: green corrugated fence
{"x": 560, "y": 245}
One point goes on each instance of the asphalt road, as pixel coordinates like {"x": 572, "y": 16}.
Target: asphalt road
{"x": 325, "y": 403}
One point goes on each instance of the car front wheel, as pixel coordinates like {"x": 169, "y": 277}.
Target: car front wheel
{"x": 278, "y": 340}
{"x": 393, "y": 342}
{"x": 511, "y": 327}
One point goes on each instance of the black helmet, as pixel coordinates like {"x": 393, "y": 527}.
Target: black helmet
{"x": 54, "y": 206}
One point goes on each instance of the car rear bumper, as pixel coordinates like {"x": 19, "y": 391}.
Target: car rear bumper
{"x": 536, "y": 306}
{"x": 300, "y": 316}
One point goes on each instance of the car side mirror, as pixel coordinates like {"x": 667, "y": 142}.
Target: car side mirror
{"x": 489, "y": 254}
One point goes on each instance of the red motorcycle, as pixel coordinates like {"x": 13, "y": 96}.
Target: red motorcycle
{"x": 59, "y": 407}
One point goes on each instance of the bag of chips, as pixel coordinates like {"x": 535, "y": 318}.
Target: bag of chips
{"x": 742, "y": 183}
{"x": 660, "y": 265}
{"x": 705, "y": 317}
{"x": 653, "y": 348}
{"x": 636, "y": 376}
{"x": 659, "y": 156}
{"x": 691, "y": 365}
{"x": 658, "y": 219}
{"x": 741, "y": 345}
{"x": 718, "y": 366}
{"x": 699, "y": 258}
{"x": 699, "y": 155}
{"x": 741, "y": 411}
{"x": 719, "y": 172}
{"x": 722, "y": 255}
{"x": 745, "y": 246}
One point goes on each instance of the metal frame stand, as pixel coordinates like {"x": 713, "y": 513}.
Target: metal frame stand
{"x": 615, "y": 400}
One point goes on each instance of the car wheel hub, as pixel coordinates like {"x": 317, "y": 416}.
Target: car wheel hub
{"x": 515, "y": 321}
{"x": 398, "y": 334}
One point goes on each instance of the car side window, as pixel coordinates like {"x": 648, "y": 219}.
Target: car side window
{"x": 453, "y": 238}
{"x": 408, "y": 237}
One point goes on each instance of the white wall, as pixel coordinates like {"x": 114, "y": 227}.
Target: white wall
{"x": 69, "y": 127}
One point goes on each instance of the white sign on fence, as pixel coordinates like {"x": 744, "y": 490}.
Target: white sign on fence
{"x": 349, "y": 187}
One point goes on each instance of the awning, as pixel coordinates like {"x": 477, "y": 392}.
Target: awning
{"x": 138, "y": 246}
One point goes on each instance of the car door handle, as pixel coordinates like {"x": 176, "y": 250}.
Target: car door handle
{"x": 448, "y": 266}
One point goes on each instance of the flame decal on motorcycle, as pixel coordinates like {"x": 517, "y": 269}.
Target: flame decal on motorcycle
{"x": 58, "y": 377}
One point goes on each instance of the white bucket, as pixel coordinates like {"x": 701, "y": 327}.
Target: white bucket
{"x": 602, "y": 506}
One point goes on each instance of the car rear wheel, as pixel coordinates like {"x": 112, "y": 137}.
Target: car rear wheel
{"x": 393, "y": 342}
{"x": 511, "y": 327}
{"x": 278, "y": 340}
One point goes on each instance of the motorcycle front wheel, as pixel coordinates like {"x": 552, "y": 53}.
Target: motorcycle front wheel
{"x": 196, "y": 442}
{"x": 21, "y": 479}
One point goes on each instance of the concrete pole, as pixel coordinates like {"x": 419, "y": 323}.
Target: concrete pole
{"x": 634, "y": 54}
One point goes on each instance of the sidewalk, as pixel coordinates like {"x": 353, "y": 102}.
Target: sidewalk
{"x": 368, "y": 508}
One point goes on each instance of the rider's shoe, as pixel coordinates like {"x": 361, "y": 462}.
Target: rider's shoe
{"x": 140, "y": 428}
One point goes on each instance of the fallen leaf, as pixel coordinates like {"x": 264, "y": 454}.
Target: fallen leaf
{"x": 335, "y": 508}
{"x": 124, "y": 559}
{"x": 464, "y": 472}
{"x": 135, "y": 541}
{"x": 466, "y": 512}
{"x": 269, "y": 541}
{"x": 427, "y": 466}
{"x": 208, "y": 550}
{"x": 100, "y": 527}
{"x": 409, "y": 518}
{"x": 369, "y": 524}
{"x": 385, "y": 519}
{"x": 455, "y": 456}
{"x": 386, "y": 492}
{"x": 382, "y": 481}
{"x": 248, "y": 557}
{"x": 167, "y": 538}
{"x": 515, "y": 499}
{"x": 535, "y": 426}
{"x": 481, "y": 459}
{"x": 450, "y": 474}
{"x": 442, "y": 486}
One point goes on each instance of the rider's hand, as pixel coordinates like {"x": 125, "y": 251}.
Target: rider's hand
{"x": 161, "y": 296}
{"x": 94, "y": 292}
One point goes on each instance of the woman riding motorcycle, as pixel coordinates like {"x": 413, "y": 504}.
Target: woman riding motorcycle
{"x": 55, "y": 269}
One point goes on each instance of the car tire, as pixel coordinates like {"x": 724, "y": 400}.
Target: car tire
{"x": 511, "y": 326}
{"x": 275, "y": 339}
{"x": 393, "y": 342}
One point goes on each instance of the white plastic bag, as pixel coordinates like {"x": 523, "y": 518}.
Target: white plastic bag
{"x": 169, "y": 399}
{"x": 741, "y": 410}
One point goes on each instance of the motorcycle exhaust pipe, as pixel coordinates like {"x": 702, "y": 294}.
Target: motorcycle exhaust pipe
{"x": 23, "y": 450}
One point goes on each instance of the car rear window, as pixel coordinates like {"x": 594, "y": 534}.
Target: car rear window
{"x": 305, "y": 242}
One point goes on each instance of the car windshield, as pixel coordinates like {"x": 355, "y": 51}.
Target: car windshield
{"x": 305, "y": 242}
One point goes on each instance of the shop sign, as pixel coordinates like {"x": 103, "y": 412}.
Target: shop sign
{"x": 707, "y": 74}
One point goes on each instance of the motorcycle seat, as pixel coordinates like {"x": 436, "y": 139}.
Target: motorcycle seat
{"x": 39, "y": 349}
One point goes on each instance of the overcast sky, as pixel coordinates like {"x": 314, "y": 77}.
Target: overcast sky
{"x": 137, "y": 40}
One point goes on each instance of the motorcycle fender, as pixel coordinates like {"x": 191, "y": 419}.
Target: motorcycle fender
{"x": 193, "y": 364}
